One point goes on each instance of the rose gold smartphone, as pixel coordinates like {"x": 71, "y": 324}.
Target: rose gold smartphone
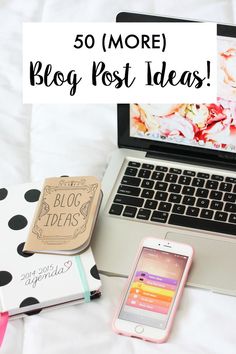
{"x": 153, "y": 291}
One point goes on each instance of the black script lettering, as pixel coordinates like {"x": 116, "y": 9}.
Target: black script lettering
{"x": 48, "y": 78}
{"x": 163, "y": 77}
{"x": 107, "y": 77}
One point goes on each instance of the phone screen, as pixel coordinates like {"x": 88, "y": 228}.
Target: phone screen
{"x": 153, "y": 288}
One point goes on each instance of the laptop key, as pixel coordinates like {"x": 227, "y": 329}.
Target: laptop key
{"x": 159, "y": 216}
{"x": 143, "y": 214}
{"x": 184, "y": 180}
{"x": 127, "y": 200}
{"x": 147, "y": 184}
{"x": 134, "y": 164}
{"x": 189, "y": 173}
{"x": 230, "y": 180}
{"x": 202, "y": 203}
{"x": 203, "y": 224}
{"x": 175, "y": 198}
{"x": 150, "y": 204}
{"x": 206, "y": 214}
{"x": 229, "y": 197}
{"x": 225, "y": 187}
{"x": 144, "y": 173}
{"x": 188, "y": 190}
{"x": 216, "y": 205}
{"x": 163, "y": 206}
{"x": 188, "y": 200}
{"x": 203, "y": 193}
{"x": 147, "y": 166}
{"x": 171, "y": 177}
{"x": 147, "y": 193}
{"x": 116, "y": 209}
{"x": 230, "y": 207}
{"x": 131, "y": 171}
{"x": 175, "y": 170}
{"x": 133, "y": 181}
{"x": 178, "y": 209}
{"x": 161, "y": 196}
{"x": 175, "y": 188}
{"x": 203, "y": 175}
{"x": 162, "y": 168}
{"x": 130, "y": 212}
{"x": 221, "y": 216}
{"x": 217, "y": 178}
{"x": 198, "y": 182}
{"x": 161, "y": 186}
{"x": 216, "y": 195}
{"x": 129, "y": 190}
{"x": 212, "y": 184}
{"x": 232, "y": 218}
{"x": 192, "y": 211}
{"x": 158, "y": 176}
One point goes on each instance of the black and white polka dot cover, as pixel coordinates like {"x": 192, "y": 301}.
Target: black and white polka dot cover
{"x": 30, "y": 282}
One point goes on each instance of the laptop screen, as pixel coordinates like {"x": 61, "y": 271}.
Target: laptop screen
{"x": 206, "y": 125}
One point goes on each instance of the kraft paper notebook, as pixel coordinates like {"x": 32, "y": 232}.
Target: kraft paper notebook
{"x": 65, "y": 215}
{"x": 31, "y": 282}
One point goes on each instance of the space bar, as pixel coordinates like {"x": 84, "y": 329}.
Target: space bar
{"x": 203, "y": 224}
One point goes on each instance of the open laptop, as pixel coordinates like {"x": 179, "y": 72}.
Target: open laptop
{"x": 174, "y": 177}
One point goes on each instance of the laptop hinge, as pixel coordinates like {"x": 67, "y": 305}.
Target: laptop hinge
{"x": 213, "y": 162}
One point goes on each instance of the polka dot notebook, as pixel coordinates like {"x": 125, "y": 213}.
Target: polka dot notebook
{"x": 32, "y": 282}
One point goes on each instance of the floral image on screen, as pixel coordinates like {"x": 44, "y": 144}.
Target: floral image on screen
{"x": 209, "y": 125}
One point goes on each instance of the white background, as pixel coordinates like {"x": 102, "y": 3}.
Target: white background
{"x": 188, "y": 47}
{"x": 37, "y": 141}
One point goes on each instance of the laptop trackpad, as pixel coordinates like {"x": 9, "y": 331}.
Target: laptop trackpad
{"x": 213, "y": 264}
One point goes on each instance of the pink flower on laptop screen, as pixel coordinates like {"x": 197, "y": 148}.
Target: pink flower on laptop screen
{"x": 228, "y": 66}
{"x": 206, "y": 125}
{"x": 212, "y": 125}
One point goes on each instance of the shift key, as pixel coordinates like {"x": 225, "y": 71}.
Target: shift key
{"x": 127, "y": 200}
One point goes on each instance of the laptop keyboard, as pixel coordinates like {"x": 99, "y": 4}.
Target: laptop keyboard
{"x": 177, "y": 197}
